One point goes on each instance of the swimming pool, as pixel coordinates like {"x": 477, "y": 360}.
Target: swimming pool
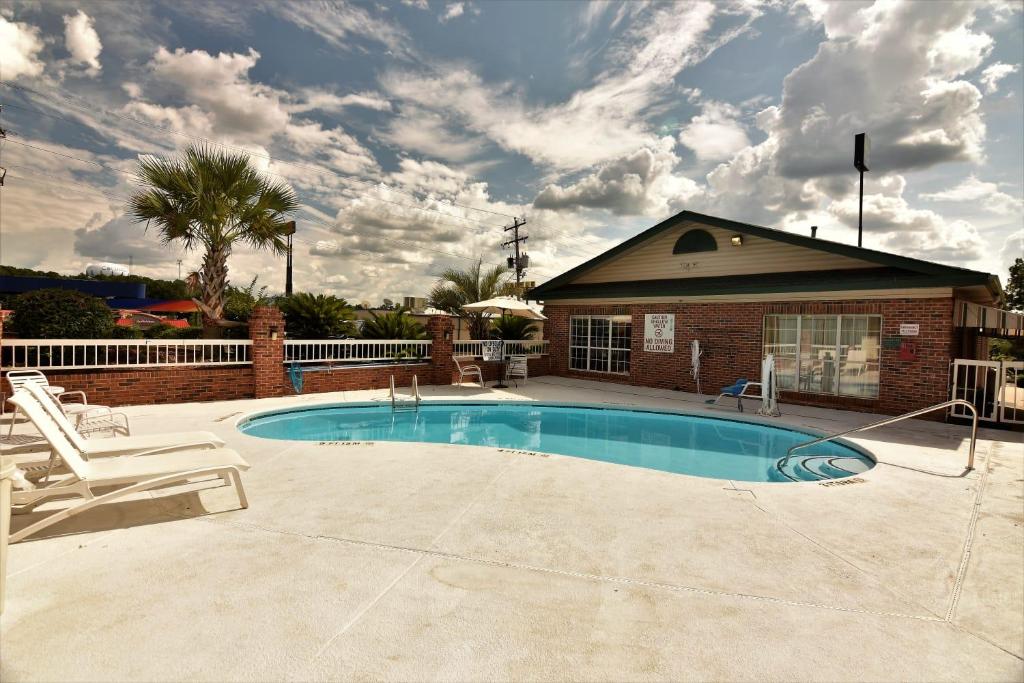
{"x": 672, "y": 442}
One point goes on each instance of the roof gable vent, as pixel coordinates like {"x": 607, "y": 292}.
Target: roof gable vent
{"x": 695, "y": 240}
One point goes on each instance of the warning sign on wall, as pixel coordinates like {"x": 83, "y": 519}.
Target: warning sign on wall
{"x": 660, "y": 332}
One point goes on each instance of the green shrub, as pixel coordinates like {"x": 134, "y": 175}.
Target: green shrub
{"x": 316, "y": 317}
{"x": 61, "y": 314}
{"x": 393, "y": 325}
{"x": 162, "y": 331}
{"x": 120, "y": 332}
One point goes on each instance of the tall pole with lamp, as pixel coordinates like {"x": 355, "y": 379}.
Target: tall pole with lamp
{"x": 861, "y": 147}
{"x": 289, "y": 229}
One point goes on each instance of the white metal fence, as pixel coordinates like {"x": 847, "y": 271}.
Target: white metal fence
{"x": 356, "y": 351}
{"x": 529, "y": 347}
{"x": 995, "y": 388}
{"x": 79, "y": 354}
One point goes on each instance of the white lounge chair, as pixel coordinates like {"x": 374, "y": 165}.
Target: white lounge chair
{"x": 141, "y": 472}
{"x": 118, "y": 445}
{"x": 517, "y": 368}
{"x": 468, "y": 370}
{"x": 16, "y": 379}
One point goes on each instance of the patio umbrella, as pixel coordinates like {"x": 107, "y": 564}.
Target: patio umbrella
{"x": 504, "y": 305}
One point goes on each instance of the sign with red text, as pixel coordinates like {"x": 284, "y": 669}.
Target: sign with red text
{"x": 660, "y": 332}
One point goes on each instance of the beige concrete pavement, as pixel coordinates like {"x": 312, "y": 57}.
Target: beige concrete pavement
{"x": 432, "y": 562}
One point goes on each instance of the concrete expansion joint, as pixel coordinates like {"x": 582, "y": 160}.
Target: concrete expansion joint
{"x": 965, "y": 557}
{"x": 601, "y": 578}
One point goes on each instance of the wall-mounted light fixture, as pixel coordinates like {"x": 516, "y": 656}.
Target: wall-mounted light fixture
{"x": 273, "y": 332}
{"x": 737, "y": 240}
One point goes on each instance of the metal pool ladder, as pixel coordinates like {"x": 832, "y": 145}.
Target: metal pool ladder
{"x": 411, "y": 402}
{"x": 889, "y": 420}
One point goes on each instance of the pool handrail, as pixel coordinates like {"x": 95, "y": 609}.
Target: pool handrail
{"x": 904, "y": 416}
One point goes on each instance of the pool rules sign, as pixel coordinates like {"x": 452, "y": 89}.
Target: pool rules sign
{"x": 660, "y": 332}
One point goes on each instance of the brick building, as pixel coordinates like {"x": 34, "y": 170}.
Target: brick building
{"x": 850, "y": 327}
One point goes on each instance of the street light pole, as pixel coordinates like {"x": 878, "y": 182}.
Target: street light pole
{"x": 861, "y": 147}
{"x": 290, "y": 231}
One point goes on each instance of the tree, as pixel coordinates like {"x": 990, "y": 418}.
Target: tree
{"x": 316, "y": 317}
{"x": 456, "y": 288}
{"x": 61, "y": 314}
{"x": 212, "y": 199}
{"x": 393, "y": 325}
{"x": 1015, "y": 286}
{"x": 512, "y": 327}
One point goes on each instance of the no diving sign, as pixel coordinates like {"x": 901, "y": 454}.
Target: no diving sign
{"x": 660, "y": 332}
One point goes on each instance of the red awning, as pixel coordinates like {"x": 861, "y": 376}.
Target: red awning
{"x": 177, "y": 306}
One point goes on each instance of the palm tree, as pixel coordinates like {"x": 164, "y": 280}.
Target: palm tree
{"x": 456, "y": 288}
{"x": 212, "y": 199}
{"x": 512, "y": 327}
{"x": 316, "y": 317}
{"x": 393, "y": 325}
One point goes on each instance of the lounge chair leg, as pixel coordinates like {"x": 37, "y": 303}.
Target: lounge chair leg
{"x": 14, "y": 417}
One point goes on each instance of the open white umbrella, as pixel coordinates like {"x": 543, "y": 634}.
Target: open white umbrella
{"x": 505, "y": 305}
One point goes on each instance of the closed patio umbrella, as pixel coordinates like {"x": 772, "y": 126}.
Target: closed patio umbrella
{"x": 504, "y": 305}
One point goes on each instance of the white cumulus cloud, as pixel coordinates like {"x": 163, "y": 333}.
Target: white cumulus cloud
{"x": 82, "y": 41}
{"x": 993, "y": 73}
{"x": 716, "y": 133}
{"x": 20, "y": 45}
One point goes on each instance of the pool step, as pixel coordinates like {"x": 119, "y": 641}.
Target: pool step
{"x": 817, "y": 468}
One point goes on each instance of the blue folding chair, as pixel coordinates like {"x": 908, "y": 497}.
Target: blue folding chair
{"x": 738, "y": 391}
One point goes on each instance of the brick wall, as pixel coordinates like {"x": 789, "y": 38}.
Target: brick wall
{"x": 731, "y": 336}
{"x": 143, "y": 386}
{"x": 267, "y": 376}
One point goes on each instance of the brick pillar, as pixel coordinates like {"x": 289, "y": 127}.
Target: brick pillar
{"x": 266, "y": 329}
{"x": 442, "y": 347}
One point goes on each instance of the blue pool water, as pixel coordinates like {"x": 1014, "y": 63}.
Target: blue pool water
{"x": 685, "y": 444}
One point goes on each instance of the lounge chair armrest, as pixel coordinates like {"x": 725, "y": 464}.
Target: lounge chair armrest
{"x": 177, "y": 447}
{"x": 64, "y": 394}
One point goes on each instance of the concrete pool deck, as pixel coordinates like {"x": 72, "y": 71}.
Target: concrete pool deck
{"x": 424, "y": 562}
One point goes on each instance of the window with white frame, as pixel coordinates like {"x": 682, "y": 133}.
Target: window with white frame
{"x": 825, "y": 354}
{"x": 600, "y": 343}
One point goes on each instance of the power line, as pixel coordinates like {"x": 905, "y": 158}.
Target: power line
{"x": 133, "y": 175}
{"x": 270, "y": 173}
{"x": 88, "y": 106}
{"x": 379, "y": 185}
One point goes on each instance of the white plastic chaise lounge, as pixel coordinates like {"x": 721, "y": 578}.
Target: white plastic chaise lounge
{"x": 80, "y": 410}
{"x": 117, "y": 445}
{"x": 131, "y": 474}
{"x": 468, "y": 371}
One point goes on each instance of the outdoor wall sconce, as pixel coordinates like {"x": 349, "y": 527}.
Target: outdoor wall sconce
{"x": 737, "y": 240}
{"x": 447, "y": 335}
{"x": 273, "y": 332}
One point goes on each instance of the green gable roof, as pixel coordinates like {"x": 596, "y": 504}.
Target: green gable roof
{"x": 893, "y": 272}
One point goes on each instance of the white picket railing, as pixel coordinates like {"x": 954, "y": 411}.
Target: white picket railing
{"x": 79, "y": 354}
{"x": 529, "y": 347}
{"x": 356, "y": 351}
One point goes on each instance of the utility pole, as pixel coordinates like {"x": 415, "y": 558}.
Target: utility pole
{"x": 179, "y": 269}
{"x": 520, "y": 261}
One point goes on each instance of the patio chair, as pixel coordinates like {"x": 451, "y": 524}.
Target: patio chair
{"x": 468, "y": 370}
{"x": 118, "y": 445}
{"x": 143, "y": 471}
{"x": 517, "y": 367}
{"x": 81, "y": 409}
{"x": 738, "y": 391}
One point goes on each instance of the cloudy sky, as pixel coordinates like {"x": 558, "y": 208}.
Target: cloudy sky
{"x": 412, "y": 131}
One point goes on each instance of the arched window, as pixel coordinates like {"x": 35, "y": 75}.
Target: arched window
{"x": 694, "y": 241}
